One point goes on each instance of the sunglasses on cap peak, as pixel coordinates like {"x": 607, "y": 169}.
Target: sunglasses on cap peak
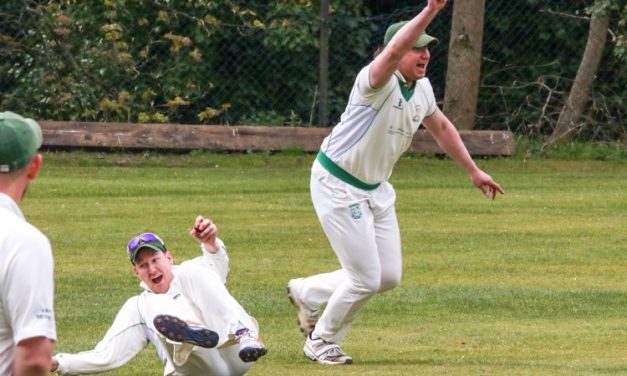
{"x": 145, "y": 240}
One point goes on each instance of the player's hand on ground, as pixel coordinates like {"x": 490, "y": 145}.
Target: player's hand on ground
{"x": 486, "y": 184}
{"x": 206, "y": 232}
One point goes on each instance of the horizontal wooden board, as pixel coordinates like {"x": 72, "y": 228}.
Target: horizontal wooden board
{"x": 236, "y": 138}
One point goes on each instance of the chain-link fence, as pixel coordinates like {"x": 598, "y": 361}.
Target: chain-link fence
{"x": 256, "y": 62}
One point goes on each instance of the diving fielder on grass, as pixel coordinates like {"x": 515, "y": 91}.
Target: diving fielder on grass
{"x": 185, "y": 311}
{"x": 353, "y": 199}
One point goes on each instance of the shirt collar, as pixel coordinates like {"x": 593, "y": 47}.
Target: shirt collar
{"x": 7, "y": 203}
{"x": 398, "y": 74}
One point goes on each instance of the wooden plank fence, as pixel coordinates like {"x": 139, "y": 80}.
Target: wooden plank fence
{"x": 236, "y": 138}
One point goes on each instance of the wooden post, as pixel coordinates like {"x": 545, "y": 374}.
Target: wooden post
{"x": 323, "y": 79}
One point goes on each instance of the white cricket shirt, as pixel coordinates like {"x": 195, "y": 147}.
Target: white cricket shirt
{"x": 26, "y": 283}
{"x": 377, "y": 126}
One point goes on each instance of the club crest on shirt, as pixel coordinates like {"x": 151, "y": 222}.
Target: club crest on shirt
{"x": 399, "y": 106}
{"x": 355, "y": 211}
{"x": 418, "y": 115}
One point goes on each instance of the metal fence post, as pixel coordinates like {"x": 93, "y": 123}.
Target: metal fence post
{"x": 323, "y": 80}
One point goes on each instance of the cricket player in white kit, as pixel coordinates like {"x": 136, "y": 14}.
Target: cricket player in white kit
{"x": 353, "y": 199}
{"x": 27, "y": 323}
{"x": 185, "y": 311}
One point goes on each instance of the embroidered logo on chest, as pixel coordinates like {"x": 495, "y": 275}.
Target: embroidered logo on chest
{"x": 399, "y": 105}
{"x": 418, "y": 114}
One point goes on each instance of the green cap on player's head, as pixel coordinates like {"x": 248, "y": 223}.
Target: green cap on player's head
{"x": 424, "y": 40}
{"x": 141, "y": 241}
{"x": 20, "y": 138}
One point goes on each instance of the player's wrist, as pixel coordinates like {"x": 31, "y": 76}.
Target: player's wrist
{"x": 214, "y": 246}
{"x": 210, "y": 247}
{"x": 434, "y": 8}
{"x": 55, "y": 365}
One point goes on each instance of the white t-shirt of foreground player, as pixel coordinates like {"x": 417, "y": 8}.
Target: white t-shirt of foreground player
{"x": 26, "y": 283}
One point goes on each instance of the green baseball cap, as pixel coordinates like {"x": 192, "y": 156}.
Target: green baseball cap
{"x": 145, "y": 240}
{"x": 424, "y": 40}
{"x": 20, "y": 138}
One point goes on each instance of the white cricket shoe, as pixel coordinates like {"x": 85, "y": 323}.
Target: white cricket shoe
{"x": 307, "y": 317}
{"x": 325, "y": 352}
{"x": 250, "y": 348}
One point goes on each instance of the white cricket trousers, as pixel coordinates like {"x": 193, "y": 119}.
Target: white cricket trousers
{"x": 197, "y": 295}
{"x": 220, "y": 361}
{"x": 362, "y": 229}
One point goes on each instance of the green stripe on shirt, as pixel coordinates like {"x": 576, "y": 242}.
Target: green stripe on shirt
{"x": 341, "y": 174}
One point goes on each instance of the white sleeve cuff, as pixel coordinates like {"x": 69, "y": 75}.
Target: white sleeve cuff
{"x": 221, "y": 248}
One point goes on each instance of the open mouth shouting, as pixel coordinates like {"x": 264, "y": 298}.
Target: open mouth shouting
{"x": 156, "y": 280}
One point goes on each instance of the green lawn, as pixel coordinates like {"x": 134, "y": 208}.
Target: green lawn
{"x": 534, "y": 283}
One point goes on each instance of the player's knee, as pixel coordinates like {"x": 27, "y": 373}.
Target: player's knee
{"x": 389, "y": 282}
{"x": 366, "y": 287}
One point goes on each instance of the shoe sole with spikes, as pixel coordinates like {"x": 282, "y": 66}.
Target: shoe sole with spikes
{"x": 177, "y": 330}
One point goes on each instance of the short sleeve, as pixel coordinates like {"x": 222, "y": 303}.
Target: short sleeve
{"x": 29, "y": 287}
{"x": 425, "y": 86}
{"x": 364, "y": 94}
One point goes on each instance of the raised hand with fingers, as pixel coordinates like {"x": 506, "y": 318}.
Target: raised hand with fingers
{"x": 205, "y": 231}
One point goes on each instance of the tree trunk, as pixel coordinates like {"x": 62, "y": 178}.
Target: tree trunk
{"x": 464, "y": 63}
{"x": 567, "y": 122}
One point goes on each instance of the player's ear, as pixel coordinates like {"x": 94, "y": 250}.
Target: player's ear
{"x": 33, "y": 166}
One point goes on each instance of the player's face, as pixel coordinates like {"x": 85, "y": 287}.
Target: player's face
{"x": 154, "y": 268}
{"x": 413, "y": 65}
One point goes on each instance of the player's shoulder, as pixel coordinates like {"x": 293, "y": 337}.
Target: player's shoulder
{"x": 192, "y": 272}
{"x": 133, "y": 303}
{"x": 423, "y": 86}
{"x": 190, "y": 266}
{"x": 364, "y": 92}
{"x": 365, "y": 70}
{"x": 425, "y": 83}
{"x": 19, "y": 231}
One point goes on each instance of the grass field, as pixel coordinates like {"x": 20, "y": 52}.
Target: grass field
{"x": 534, "y": 283}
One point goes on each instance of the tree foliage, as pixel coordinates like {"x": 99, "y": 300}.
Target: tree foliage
{"x": 163, "y": 61}
{"x": 256, "y": 62}
{"x": 530, "y": 63}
